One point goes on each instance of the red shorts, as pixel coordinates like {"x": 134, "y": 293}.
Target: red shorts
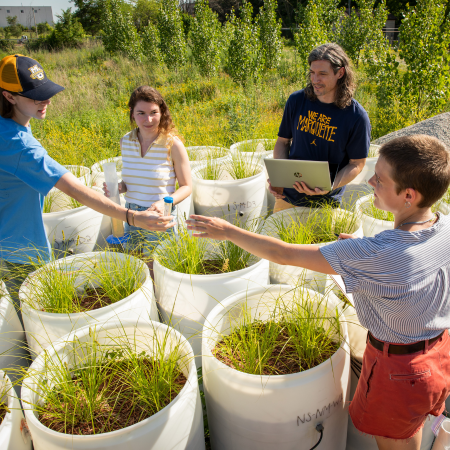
{"x": 396, "y": 393}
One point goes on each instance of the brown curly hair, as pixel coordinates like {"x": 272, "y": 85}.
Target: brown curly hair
{"x": 337, "y": 57}
{"x": 151, "y": 95}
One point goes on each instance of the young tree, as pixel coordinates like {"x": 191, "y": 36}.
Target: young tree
{"x": 14, "y": 28}
{"x": 68, "y": 31}
{"x": 90, "y": 13}
{"x": 405, "y": 97}
{"x": 120, "y": 34}
{"x": 318, "y": 22}
{"x": 170, "y": 26}
{"x": 205, "y": 38}
{"x": 361, "y": 33}
{"x": 144, "y": 13}
{"x": 151, "y": 44}
{"x": 245, "y": 55}
{"x": 270, "y": 34}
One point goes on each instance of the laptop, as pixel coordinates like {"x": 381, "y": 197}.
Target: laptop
{"x": 285, "y": 172}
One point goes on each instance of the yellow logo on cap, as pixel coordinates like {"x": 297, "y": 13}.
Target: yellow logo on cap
{"x": 36, "y": 72}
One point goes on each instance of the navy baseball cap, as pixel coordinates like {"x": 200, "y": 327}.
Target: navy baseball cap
{"x": 24, "y": 75}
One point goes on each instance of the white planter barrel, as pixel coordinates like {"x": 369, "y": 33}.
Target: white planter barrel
{"x": 98, "y": 177}
{"x": 43, "y": 328}
{"x": 254, "y": 146}
{"x": 185, "y": 300}
{"x": 371, "y": 226}
{"x": 185, "y": 208}
{"x": 75, "y": 230}
{"x": 228, "y": 198}
{"x": 12, "y": 434}
{"x": 285, "y": 274}
{"x": 199, "y": 154}
{"x": 178, "y": 426}
{"x": 13, "y": 353}
{"x": 279, "y": 412}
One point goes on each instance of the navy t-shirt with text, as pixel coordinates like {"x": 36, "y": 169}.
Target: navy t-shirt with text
{"x": 323, "y": 132}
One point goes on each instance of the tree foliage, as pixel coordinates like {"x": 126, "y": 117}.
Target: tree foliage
{"x": 421, "y": 90}
{"x": 270, "y": 34}
{"x": 120, "y": 34}
{"x": 145, "y": 12}
{"x": 170, "y": 25}
{"x": 361, "y": 33}
{"x": 318, "y": 23}
{"x": 151, "y": 43}
{"x": 14, "y": 28}
{"x": 90, "y": 14}
{"x": 205, "y": 38}
{"x": 245, "y": 56}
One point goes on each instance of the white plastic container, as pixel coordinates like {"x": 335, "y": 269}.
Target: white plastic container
{"x": 371, "y": 226}
{"x": 228, "y": 198}
{"x": 13, "y": 436}
{"x": 178, "y": 426}
{"x": 259, "y": 145}
{"x": 443, "y": 438}
{"x": 279, "y": 412}
{"x": 75, "y": 230}
{"x": 202, "y": 152}
{"x": 281, "y": 274}
{"x": 43, "y": 328}
{"x": 185, "y": 300}
{"x": 13, "y": 353}
{"x": 185, "y": 208}
{"x": 98, "y": 177}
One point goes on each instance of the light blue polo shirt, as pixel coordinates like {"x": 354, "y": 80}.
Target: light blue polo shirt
{"x": 27, "y": 174}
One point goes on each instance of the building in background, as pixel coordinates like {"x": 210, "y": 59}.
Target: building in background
{"x": 26, "y": 15}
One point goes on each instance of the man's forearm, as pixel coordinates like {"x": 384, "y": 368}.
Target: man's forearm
{"x": 347, "y": 174}
{"x": 281, "y": 149}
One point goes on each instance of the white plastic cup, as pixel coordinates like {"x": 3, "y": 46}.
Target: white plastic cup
{"x": 112, "y": 184}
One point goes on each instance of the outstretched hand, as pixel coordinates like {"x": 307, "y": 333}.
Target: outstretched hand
{"x": 209, "y": 227}
{"x": 152, "y": 221}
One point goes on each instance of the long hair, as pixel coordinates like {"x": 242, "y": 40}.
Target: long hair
{"x": 6, "y": 107}
{"x": 337, "y": 57}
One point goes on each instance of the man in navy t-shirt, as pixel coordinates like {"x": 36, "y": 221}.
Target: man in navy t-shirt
{"x": 323, "y": 122}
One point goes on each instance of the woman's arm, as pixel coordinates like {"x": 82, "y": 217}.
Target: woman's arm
{"x": 182, "y": 168}
{"x": 149, "y": 220}
{"x": 306, "y": 256}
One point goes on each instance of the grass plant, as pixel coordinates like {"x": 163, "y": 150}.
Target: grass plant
{"x": 4, "y": 390}
{"x": 372, "y": 211}
{"x": 313, "y": 227}
{"x": 62, "y": 287}
{"x": 294, "y": 336}
{"x": 205, "y": 153}
{"x": 240, "y": 167}
{"x": 111, "y": 385}
{"x": 212, "y": 170}
{"x": 187, "y": 254}
{"x": 257, "y": 145}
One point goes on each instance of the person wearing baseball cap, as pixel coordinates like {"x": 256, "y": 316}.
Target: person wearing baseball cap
{"x": 27, "y": 172}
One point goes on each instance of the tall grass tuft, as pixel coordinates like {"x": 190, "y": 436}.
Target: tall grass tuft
{"x": 294, "y": 336}
{"x": 187, "y": 254}
{"x": 371, "y": 210}
{"x": 212, "y": 170}
{"x": 109, "y": 385}
{"x": 314, "y": 226}
{"x": 240, "y": 167}
{"x": 60, "y": 286}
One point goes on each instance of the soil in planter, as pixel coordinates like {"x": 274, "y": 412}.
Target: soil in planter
{"x": 283, "y": 359}
{"x": 92, "y": 299}
{"x": 118, "y": 404}
{"x": 3, "y": 410}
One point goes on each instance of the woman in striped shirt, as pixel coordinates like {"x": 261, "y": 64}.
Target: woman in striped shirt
{"x": 153, "y": 159}
{"x": 400, "y": 281}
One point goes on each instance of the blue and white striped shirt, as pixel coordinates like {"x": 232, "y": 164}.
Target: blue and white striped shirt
{"x": 400, "y": 281}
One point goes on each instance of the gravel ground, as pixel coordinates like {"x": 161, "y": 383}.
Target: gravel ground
{"x": 438, "y": 126}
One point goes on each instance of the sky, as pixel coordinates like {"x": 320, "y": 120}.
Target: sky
{"x": 57, "y": 5}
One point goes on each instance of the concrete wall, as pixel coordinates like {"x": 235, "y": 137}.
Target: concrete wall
{"x": 26, "y": 18}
